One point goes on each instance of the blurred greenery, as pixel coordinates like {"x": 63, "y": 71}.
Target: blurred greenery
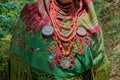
{"x": 9, "y": 13}
{"x": 108, "y": 12}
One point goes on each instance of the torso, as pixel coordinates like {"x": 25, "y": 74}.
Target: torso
{"x": 39, "y": 50}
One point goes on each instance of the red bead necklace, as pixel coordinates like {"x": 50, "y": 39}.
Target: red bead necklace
{"x": 59, "y": 36}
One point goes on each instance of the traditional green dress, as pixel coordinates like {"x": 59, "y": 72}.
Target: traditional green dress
{"x": 31, "y": 53}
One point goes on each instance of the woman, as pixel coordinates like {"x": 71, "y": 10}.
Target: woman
{"x": 58, "y": 39}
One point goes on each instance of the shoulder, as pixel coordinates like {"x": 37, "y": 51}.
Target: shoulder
{"x": 29, "y": 10}
{"x": 30, "y": 14}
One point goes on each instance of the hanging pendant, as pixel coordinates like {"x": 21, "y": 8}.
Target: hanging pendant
{"x": 65, "y": 63}
{"x": 81, "y": 32}
{"x": 47, "y": 30}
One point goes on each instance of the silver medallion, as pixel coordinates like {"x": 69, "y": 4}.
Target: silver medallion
{"x": 65, "y": 62}
{"x": 47, "y": 30}
{"x": 81, "y": 31}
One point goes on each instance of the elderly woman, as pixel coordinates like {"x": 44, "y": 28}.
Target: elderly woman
{"x": 58, "y": 40}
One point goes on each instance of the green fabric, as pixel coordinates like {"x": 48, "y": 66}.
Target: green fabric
{"x": 32, "y": 48}
{"x": 101, "y": 71}
{"x": 19, "y": 70}
{"x": 40, "y": 58}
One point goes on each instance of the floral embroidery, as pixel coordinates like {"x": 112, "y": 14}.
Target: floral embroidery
{"x": 15, "y": 27}
{"x": 32, "y": 49}
{"x": 28, "y": 28}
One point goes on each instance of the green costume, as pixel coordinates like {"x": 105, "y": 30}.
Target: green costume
{"x": 32, "y": 53}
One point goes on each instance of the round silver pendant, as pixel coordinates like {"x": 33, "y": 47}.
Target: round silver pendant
{"x": 81, "y": 31}
{"x": 47, "y": 30}
{"x": 65, "y": 63}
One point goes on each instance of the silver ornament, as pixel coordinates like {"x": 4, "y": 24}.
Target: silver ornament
{"x": 65, "y": 63}
{"x": 81, "y": 31}
{"x": 47, "y": 30}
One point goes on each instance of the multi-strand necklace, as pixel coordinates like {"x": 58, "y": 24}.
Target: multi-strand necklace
{"x": 66, "y": 12}
{"x": 59, "y": 36}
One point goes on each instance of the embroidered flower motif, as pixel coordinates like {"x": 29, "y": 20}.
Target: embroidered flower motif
{"x": 17, "y": 40}
{"x": 28, "y": 28}
{"x": 15, "y": 27}
{"x": 20, "y": 44}
{"x": 32, "y": 49}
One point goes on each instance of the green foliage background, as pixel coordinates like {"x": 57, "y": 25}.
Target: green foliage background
{"x": 108, "y": 12}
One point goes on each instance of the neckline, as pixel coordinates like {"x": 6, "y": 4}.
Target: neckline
{"x": 63, "y": 4}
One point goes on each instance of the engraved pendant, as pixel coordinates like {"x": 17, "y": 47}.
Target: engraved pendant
{"x": 81, "y": 31}
{"x": 47, "y": 30}
{"x": 65, "y": 63}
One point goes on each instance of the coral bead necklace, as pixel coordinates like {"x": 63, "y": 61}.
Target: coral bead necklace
{"x": 59, "y": 36}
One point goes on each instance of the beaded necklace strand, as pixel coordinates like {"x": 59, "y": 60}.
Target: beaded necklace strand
{"x": 58, "y": 35}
